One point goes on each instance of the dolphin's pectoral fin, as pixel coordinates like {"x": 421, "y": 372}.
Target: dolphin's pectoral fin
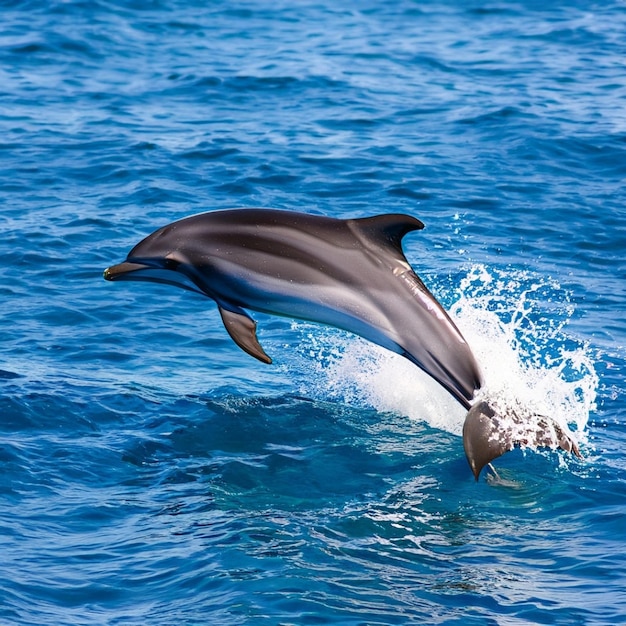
{"x": 483, "y": 440}
{"x": 242, "y": 329}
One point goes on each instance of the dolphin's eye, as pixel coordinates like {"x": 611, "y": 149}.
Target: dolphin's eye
{"x": 170, "y": 264}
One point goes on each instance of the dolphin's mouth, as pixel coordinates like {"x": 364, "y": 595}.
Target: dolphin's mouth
{"x": 146, "y": 272}
{"x": 123, "y": 271}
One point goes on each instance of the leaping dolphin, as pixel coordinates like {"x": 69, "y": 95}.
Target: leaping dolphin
{"x": 351, "y": 274}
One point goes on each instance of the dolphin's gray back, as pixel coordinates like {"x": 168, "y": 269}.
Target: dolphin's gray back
{"x": 351, "y": 274}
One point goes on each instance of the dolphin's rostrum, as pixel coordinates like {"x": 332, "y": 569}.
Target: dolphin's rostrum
{"x": 350, "y": 274}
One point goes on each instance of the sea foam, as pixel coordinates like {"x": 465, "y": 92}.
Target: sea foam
{"x": 516, "y": 324}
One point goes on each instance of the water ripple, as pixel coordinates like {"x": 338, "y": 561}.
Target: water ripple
{"x": 152, "y": 472}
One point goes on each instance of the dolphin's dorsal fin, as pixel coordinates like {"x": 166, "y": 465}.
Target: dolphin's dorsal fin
{"x": 388, "y": 228}
{"x": 242, "y": 329}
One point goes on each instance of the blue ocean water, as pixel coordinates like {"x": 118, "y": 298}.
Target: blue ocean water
{"x": 153, "y": 473}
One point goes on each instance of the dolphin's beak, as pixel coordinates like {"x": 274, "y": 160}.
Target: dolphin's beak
{"x": 483, "y": 440}
{"x": 152, "y": 273}
{"x": 122, "y": 271}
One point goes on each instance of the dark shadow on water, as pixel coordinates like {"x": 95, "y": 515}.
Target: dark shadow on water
{"x": 291, "y": 453}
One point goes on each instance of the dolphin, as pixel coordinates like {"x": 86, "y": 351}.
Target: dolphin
{"x": 347, "y": 273}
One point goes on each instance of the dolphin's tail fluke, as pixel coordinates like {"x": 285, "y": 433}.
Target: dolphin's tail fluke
{"x": 488, "y": 435}
{"x": 482, "y": 439}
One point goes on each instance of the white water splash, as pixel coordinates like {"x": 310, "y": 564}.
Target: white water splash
{"x": 357, "y": 372}
{"x": 515, "y": 324}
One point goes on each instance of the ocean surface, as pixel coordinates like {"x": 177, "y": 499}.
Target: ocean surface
{"x": 153, "y": 473}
